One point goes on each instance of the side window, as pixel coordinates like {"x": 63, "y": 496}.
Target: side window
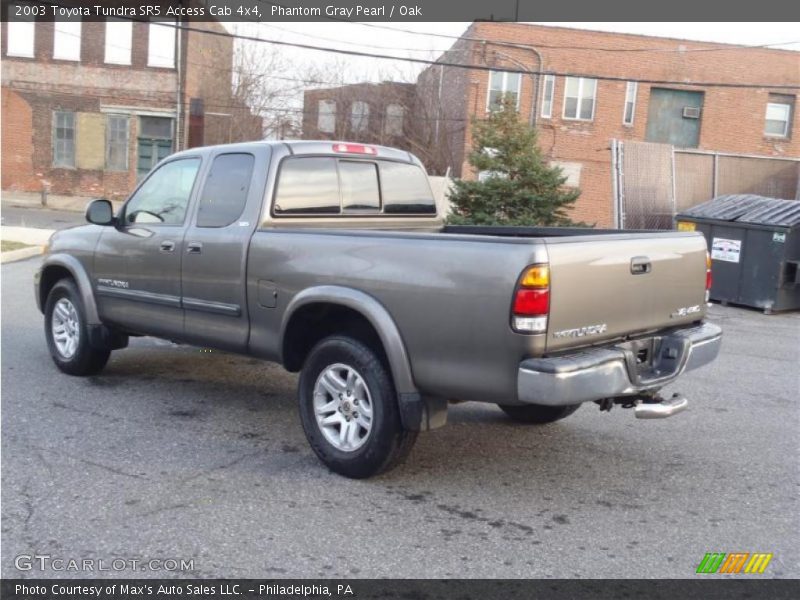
{"x": 307, "y": 186}
{"x": 164, "y": 197}
{"x": 64, "y": 139}
{"x": 405, "y": 189}
{"x": 225, "y": 190}
{"x": 359, "y": 185}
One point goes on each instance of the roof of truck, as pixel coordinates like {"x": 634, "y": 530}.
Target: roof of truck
{"x": 317, "y": 147}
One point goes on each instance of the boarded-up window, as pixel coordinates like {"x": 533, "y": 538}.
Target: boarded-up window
{"x": 326, "y": 117}
{"x": 359, "y": 116}
{"x": 393, "y": 125}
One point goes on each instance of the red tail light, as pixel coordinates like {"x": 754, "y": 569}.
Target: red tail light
{"x": 355, "y": 149}
{"x": 532, "y": 300}
{"x": 709, "y": 277}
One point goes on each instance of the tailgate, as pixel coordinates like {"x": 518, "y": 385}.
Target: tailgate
{"x": 609, "y": 288}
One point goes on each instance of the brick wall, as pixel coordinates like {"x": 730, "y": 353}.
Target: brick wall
{"x": 377, "y": 96}
{"x": 33, "y": 88}
{"x": 732, "y": 118}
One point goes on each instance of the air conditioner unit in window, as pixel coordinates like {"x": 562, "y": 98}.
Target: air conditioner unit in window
{"x": 691, "y": 112}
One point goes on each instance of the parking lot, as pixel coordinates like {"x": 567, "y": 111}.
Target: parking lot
{"x": 177, "y": 453}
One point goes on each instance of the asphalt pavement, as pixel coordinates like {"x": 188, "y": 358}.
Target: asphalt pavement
{"x": 39, "y": 218}
{"x": 177, "y": 453}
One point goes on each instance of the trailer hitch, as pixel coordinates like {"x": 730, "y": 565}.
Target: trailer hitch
{"x": 647, "y": 406}
{"x": 657, "y": 407}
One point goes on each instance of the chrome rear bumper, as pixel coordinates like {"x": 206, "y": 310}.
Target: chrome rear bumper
{"x": 610, "y": 372}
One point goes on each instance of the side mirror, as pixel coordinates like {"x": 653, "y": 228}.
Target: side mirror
{"x": 100, "y": 212}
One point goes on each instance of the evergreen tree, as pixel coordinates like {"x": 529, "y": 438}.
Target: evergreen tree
{"x": 520, "y": 187}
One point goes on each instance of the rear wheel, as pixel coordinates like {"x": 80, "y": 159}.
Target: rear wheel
{"x": 67, "y": 333}
{"x": 349, "y": 409}
{"x": 538, "y": 413}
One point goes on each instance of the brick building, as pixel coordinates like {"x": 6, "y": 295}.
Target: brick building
{"x": 89, "y": 107}
{"x": 577, "y": 117}
{"x": 373, "y": 113}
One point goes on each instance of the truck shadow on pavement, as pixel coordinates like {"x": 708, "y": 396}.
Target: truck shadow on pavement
{"x": 226, "y": 399}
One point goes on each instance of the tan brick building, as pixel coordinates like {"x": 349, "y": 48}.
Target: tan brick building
{"x": 89, "y": 107}
{"x": 577, "y": 117}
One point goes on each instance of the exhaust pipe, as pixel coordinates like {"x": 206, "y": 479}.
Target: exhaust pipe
{"x": 661, "y": 409}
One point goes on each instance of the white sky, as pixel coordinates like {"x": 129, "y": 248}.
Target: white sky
{"x": 353, "y": 36}
{"x": 331, "y": 69}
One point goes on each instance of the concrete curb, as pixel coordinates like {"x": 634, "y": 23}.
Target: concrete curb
{"x": 21, "y": 254}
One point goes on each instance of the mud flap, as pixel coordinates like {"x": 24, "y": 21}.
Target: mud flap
{"x": 420, "y": 413}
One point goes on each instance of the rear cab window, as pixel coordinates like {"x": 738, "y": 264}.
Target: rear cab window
{"x": 324, "y": 186}
{"x": 225, "y": 190}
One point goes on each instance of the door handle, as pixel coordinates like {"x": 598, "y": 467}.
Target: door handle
{"x": 640, "y": 265}
{"x": 167, "y": 246}
{"x": 194, "y": 248}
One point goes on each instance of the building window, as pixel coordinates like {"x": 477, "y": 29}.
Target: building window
{"x": 63, "y": 139}
{"x": 326, "y": 116}
{"x": 119, "y": 35}
{"x": 393, "y": 125}
{"x": 20, "y": 35}
{"x": 67, "y": 40}
{"x": 630, "y": 103}
{"x": 780, "y": 109}
{"x": 161, "y": 45}
{"x": 579, "y": 98}
{"x": 117, "y": 143}
{"x": 503, "y": 85}
{"x": 548, "y": 88}
{"x": 359, "y": 116}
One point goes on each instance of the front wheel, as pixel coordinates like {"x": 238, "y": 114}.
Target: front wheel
{"x": 539, "y": 413}
{"x": 67, "y": 333}
{"x": 349, "y": 409}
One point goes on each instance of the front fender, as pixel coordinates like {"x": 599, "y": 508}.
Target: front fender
{"x": 375, "y": 313}
{"x": 78, "y": 273}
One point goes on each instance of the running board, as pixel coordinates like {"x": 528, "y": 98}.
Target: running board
{"x": 662, "y": 409}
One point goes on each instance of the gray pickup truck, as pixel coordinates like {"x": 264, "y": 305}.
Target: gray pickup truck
{"x": 332, "y": 260}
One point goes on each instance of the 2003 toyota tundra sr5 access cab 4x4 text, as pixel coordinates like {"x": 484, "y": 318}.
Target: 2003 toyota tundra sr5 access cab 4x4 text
{"x": 331, "y": 259}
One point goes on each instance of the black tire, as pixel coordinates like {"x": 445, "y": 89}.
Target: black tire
{"x": 387, "y": 443}
{"x": 538, "y": 413}
{"x": 85, "y": 360}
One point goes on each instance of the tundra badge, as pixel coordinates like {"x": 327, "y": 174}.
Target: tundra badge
{"x": 581, "y": 331}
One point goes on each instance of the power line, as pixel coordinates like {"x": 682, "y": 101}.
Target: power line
{"x": 465, "y": 66}
{"x": 720, "y": 48}
{"x": 116, "y": 94}
{"x": 349, "y": 43}
{"x": 229, "y": 70}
